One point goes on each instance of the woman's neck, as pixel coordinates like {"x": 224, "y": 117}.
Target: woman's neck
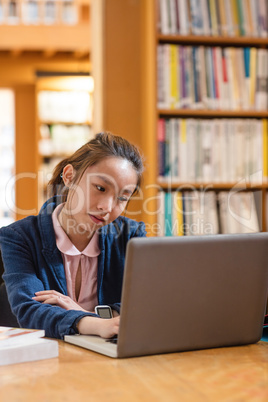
{"x": 79, "y": 240}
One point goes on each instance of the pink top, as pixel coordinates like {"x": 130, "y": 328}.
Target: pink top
{"x": 72, "y": 257}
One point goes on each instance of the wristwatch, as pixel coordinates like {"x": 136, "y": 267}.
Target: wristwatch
{"x": 104, "y": 311}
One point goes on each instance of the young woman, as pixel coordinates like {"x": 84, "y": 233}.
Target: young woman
{"x": 70, "y": 257}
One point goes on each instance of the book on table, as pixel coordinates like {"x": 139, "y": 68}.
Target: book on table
{"x": 18, "y": 345}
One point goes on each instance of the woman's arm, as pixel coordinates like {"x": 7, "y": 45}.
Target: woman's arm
{"x": 106, "y": 328}
{"x": 26, "y": 273}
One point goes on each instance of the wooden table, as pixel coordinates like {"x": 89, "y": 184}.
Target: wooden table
{"x": 228, "y": 374}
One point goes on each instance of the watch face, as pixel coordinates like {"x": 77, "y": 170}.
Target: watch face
{"x": 104, "y": 312}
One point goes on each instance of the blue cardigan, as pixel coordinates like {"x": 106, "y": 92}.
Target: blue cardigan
{"x": 32, "y": 262}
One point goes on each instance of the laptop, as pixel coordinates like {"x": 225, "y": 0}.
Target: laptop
{"x": 189, "y": 293}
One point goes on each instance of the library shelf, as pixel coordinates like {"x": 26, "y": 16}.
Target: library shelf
{"x": 204, "y": 113}
{"x": 212, "y": 40}
{"x": 167, "y": 184}
{"x": 181, "y": 186}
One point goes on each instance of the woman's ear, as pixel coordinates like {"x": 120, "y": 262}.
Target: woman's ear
{"x": 68, "y": 175}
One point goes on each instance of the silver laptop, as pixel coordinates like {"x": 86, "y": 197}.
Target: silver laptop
{"x": 187, "y": 293}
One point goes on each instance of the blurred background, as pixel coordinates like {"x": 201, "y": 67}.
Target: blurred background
{"x": 187, "y": 85}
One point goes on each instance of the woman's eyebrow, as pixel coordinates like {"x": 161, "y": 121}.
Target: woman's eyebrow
{"x": 105, "y": 179}
{"x": 110, "y": 183}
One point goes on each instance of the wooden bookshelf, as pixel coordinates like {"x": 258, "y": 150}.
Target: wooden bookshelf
{"x": 28, "y": 49}
{"x": 129, "y": 100}
{"x": 53, "y": 148}
{"x": 152, "y": 38}
{"x": 18, "y": 36}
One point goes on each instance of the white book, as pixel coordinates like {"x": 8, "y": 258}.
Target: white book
{"x": 191, "y": 149}
{"x": 207, "y": 150}
{"x": 231, "y": 150}
{"x": 198, "y": 151}
{"x": 233, "y": 212}
{"x": 197, "y": 218}
{"x": 247, "y": 149}
{"x": 261, "y": 98}
{"x": 211, "y": 224}
{"x": 231, "y": 78}
{"x": 252, "y": 134}
{"x": 239, "y": 149}
{"x": 254, "y": 17}
{"x": 161, "y": 213}
{"x": 205, "y": 17}
{"x": 217, "y": 151}
{"x": 222, "y": 138}
{"x": 183, "y": 174}
{"x": 248, "y": 214}
{"x": 240, "y": 78}
{"x": 39, "y": 349}
{"x": 163, "y": 11}
{"x": 18, "y": 345}
{"x": 173, "y": 18}
{"x": 161, "y": 96}
{"x": 183, "y": 17}
{"x": 258, "y": 174}
{"x": 229, "y": 17}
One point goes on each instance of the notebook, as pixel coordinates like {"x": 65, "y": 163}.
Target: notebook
{"x": 189, "y": 293}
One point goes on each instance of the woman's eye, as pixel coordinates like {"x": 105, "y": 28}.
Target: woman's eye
{"x": 100, "y": 188}
{"x": 122, "y": 199}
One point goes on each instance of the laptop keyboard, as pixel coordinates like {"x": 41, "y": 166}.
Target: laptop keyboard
{"x": 112, "y": 340}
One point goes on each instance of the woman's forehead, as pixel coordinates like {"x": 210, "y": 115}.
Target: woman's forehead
{"x": 112, "y": 171}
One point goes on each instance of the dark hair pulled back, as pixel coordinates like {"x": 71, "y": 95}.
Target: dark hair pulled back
{"x": 103, "y": 145}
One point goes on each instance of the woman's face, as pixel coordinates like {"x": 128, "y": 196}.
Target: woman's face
{"x": 100, "y": 196}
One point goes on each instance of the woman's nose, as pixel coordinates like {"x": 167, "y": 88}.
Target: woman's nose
{"x": 106, "y": 204}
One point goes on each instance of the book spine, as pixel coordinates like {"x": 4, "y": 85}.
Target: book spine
{"x": 161, "y": 146}
{"x": 168, "y": 214}
{"x": 252, "y": 72}
{"x": 173, "y": 76}
{"x": 261, "y": 102}
{"x": 241, "y": 20}
{"x": 223, "y": 18}
{"x": 265, "y": 149}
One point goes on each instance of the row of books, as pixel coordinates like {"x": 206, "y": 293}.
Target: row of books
{"x": 65, "y": 106}
{"x": 213, "y": 17}
{"x": 38, "y": 12}
{"x": 212, "y": 150}
{"x": 60, "y": 139}
{"x": 204, "y": 77}
{"x": 207, "y": 212}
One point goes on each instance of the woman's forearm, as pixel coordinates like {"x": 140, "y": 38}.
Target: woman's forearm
{"x": 106, "y": 328}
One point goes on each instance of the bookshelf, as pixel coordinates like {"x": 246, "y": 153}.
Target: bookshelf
{"x": 166, "y": 34}
{"x": 7, "y": 155}
{"x": 64, "y": 119}
{"x": 48, "y": 26}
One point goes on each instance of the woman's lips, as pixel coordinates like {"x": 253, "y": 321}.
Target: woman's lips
{"x": 97, "y": 220}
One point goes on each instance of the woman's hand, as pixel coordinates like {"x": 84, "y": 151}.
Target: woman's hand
{"x": 57, "y": 299}
{"x": 106, "y": 328}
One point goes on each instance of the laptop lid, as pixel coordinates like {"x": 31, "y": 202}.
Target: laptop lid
{"x": 186, "y": 293}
